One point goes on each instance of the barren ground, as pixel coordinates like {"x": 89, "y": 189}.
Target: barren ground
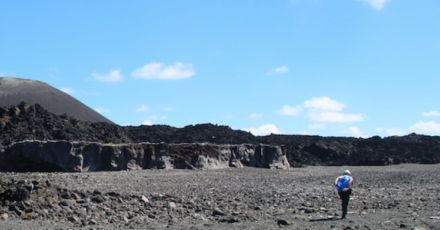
{"x": 387, "y": 197}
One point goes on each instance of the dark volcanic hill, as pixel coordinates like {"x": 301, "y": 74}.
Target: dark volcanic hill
{"x": 14, "y": 91}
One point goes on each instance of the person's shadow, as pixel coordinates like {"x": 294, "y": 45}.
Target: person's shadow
{"x": 332, "y": 218}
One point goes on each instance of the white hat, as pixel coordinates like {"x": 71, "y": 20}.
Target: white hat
{"x": 347, "y": 172}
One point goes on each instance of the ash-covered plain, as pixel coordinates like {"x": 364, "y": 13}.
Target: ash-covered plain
{"x": 403, "y": 196}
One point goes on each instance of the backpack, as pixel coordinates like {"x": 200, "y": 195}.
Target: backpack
{"x": 343, "y": 183}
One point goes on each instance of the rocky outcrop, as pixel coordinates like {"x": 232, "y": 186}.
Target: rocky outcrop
{"x": 88, "y": 156}
{"x": 25, "y": 121}
{"x": 316, "y": 150}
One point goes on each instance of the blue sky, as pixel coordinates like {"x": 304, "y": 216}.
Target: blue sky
{"x": 333, "y": 68}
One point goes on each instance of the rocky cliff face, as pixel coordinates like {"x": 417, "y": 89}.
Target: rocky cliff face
{"x": 85, "y": 156}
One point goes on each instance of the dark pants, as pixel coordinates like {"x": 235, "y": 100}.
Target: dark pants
{"x": 345, "y": 197}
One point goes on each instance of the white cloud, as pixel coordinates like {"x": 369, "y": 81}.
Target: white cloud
{"x": 290, "y": 111}
{"x": 279, "y": 70}
{"x": 355, "y": 131}
{"x": 68, "y": 90}
{"x": 431, "y": 114}
{"x": 113, "y": 76}
{"x": 317, "y": 126}
{"x": 263, "y": 130}
{"x": 160, "y": 71}
{"x": 324, "y": 103}
{"x": 102, "y": 110}
{"x": 376, "y": 4}
{"x": 426, "y": 127}
{"x": 334, "y": 117}
{"x": 255, "y": 116}
{"x": 395, "y": 132}
{"x": 154, "y": 119}
{"x": 147, "y": 122}
{"x": 391, "y": 131}
{"x": 322, "y": 110}
{"x": 143, "y": 108}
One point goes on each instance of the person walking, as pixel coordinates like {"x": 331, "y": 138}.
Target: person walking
{"x": 343, "y": 185}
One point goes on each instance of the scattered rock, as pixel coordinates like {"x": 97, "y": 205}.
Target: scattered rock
{"x": 98, "y": 199}
{"x": 218, "y": 212}
{"x": 4, "y": 216}
{"x": 172, "y": 205}
{"x": 219, "y": 198}
{"x": 145, "y": 199}
{"x": 282, "y": 222}
{"x": 73, "y": 219}
{"x": 68, "y": 203}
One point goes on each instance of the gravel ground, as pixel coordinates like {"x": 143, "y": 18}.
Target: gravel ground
{"x": 387, "y": 197}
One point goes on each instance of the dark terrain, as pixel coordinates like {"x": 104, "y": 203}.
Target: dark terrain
{"x": 33, "y": 122}
{"x": 384, "y": 197}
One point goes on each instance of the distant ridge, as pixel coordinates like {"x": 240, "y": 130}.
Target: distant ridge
{"x": 15, "y": 90}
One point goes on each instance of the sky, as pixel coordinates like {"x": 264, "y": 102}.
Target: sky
{"x": 317, "y": 67}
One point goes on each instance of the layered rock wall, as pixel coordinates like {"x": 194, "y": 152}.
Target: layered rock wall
{"x": 89, "y": 156}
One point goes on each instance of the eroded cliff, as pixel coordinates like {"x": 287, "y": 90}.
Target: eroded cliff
{"x": 88, "y": 156}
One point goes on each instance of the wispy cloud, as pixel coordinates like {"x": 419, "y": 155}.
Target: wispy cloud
{"x": 431, "y": 114}
{"x": 391, "y": 131}
{"x": 142, "y": 108}
{"x": 113, "y": 76}
{"x": 102, "y": 110}
{"x": 334, "y": 117}
{"x": 154, "y": 119}
{"x": 322, "y": 110}
{"x": 255, "y": 116}
{"x": 355, "y": 131}
{"x": 68, "y": 90}
{"x": 395, "y": 132}
{"x": 324, "y": 103}
{"x": 376, "y": 4}
{"x": 265, "y": 129}
{"x": 426, "y": 127}
{"x": 328, "y": 110}
{"x": 161, "y": 71}
{"x": 290, "y": 111}
{"x": 279, "y": 70}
